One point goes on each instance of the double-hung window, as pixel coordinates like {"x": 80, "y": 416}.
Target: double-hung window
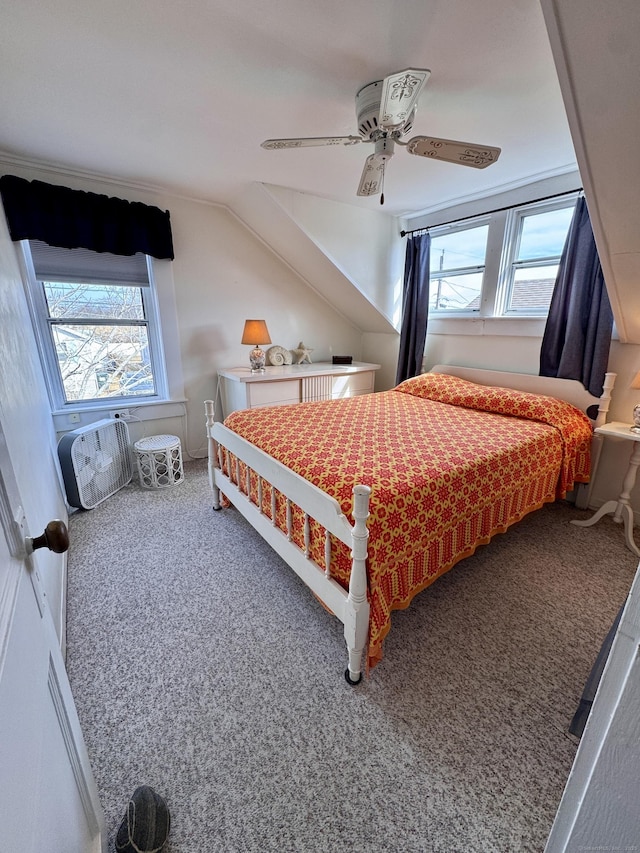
{"x": 502, "y": 264}
{"x": 97, "y": 326}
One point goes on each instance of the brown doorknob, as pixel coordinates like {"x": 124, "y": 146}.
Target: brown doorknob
{"x": 55, "y": 538}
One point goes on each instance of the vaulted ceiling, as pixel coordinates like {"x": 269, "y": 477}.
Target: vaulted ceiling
{"x": 180, "y": 95}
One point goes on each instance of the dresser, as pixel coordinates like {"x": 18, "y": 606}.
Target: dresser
{"x": 294, "y": 383}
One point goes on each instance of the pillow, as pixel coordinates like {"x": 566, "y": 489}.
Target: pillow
{"x": 444, "y": 388}
{"x": 574, "y": 426}
{"x": 433, "y": 386}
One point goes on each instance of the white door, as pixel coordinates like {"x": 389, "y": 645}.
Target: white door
{"x": 599, "y": 807}
{"x": 48, "y": 799}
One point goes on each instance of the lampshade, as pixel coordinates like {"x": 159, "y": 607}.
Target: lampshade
{"x": 255, "y": 332}
{"x": 636, "y": 380}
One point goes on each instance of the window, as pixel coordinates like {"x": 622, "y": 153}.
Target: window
{"x": 97, "y": 327}
{"x": 501, "y": 264}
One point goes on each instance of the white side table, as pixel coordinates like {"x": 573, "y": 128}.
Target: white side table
{"x": 621, "y": 508}
{"x": 159, "y": 461}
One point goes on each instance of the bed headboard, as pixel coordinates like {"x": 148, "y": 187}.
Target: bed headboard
{"x": 564, "y": 389}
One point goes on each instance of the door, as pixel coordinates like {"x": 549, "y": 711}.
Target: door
{"x": 48, "y": 799}
{"x": 599, "y": 806}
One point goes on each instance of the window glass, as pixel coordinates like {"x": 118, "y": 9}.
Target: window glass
{"x": 536, "y": 249}
{"x": 100, "y": 361}
{"x": 460, "y": 292}
{"x": 543, "y": 234}
{"x": 462, "y": 248}
{"x": 100, "y": 339}
{"x": 532, "y": 288}
{"x": 456, "y": 268}
{"x": 93, "y": 301}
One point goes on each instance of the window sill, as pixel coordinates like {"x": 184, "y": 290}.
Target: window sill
{"x": 530, "y": 327}
{"x": 88, "y": 413}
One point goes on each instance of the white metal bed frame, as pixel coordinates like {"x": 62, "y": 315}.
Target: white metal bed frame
{"x": 350, "y": 606}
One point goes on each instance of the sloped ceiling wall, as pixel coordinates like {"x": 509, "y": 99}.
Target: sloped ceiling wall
{"x": 351, "y": 257}
{"x": 595, "y": 49}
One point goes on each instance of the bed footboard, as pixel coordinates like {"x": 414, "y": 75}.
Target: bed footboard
{"x": 234, "y": 464}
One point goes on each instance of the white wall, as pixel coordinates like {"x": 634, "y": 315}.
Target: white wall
{"x": 382, "y": 349}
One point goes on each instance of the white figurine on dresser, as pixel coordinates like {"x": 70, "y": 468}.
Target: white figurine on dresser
{"x": 277, "y": 356}
{"x": 302, "y": 353}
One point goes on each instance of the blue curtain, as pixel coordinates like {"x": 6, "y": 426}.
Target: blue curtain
{"x": 577, "y": 336}
{"x": 415, "y": 306}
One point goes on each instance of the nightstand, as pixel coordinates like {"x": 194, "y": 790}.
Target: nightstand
{"x": 621, "y": 508}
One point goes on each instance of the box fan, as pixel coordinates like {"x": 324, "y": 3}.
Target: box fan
{"x": 95, "y": 462}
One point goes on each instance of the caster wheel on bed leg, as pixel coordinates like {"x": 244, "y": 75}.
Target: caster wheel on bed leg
{"x": 350, "y": 680}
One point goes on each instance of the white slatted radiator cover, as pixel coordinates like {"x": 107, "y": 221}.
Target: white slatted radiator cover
{"x": 317, "y": 388}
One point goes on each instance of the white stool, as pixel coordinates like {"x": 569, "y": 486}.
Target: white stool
{"x": 159, "y": 461}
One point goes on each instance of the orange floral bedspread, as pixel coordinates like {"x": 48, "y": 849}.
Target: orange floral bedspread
{"x": 450, "y": 464}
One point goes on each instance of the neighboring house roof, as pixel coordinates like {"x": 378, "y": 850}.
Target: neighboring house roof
{"x": 535, "y": 293}
{"x": 528, "y": 295}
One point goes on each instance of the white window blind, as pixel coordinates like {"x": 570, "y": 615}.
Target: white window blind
{"x": 52, "y": 263}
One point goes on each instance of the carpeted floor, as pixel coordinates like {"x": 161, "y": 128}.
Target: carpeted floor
{"x": 201, "y": 666}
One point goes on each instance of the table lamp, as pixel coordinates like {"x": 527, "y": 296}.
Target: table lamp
{"x": 255, "y": 332}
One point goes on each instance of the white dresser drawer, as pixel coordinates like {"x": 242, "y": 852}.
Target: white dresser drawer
{"x": 353, "y": 384}
{"x": 279, "y": 393}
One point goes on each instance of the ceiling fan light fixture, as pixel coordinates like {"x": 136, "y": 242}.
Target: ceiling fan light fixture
{"x": 385, "y": 110}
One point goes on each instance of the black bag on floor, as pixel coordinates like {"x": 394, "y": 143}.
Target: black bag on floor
{"x": 145, "y": 827}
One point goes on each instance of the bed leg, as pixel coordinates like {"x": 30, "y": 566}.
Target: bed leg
{"x": 356, "y": 630}
{"x": 350, "y": 681}
{"x": 356, "y": 622}
{"x": 215, "y": 491}
{"x": 212, "y": 452}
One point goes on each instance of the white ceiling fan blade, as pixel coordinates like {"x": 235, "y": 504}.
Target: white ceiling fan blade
{"x": 400, "y": 93}
{"x": 465, "y": 153}
{"x": 274, "y": 144}
{"x": 372, "y": 175}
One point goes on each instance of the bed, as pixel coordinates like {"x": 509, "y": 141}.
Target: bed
{"x": 428, "y": 471}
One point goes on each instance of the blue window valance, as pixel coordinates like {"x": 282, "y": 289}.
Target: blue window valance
{"x": 75, "y": 219}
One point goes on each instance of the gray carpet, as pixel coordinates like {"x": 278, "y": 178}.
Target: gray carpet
{"x": 201, "y": 666}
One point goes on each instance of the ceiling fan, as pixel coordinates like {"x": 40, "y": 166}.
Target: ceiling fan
{"x": 385, "y": 110}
